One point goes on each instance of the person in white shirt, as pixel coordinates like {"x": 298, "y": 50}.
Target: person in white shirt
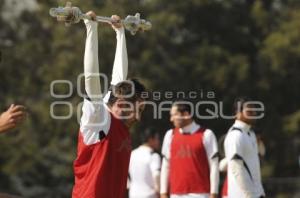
{"x": 241, "y": 151}
{"x": 223, "y": 163}
{"x": 144, "y": 167}
{"x": 190, "y": 158}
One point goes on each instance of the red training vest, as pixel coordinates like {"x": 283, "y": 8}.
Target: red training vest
{"x": 189, "y": 168}
{"x": 101, "y": 169}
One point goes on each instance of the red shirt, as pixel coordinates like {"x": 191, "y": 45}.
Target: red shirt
{"x": 101, "y": 169}
{"x": 189, "y": 168}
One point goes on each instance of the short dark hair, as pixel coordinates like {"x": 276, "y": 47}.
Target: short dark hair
{"x": 130, "y": 90}
{"x": 148, "y": 133}
{"x": 182, "y": 106}
{"x": 239, "y": 103}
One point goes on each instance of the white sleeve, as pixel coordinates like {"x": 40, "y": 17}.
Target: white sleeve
{"x": 242, "y": 177}
{"x": 167, "y": 144}
{"x": 223, "y": 165}
{"x": 234, "y": 153}
{"x": 120, "y": 68}
{"x": 95, "y": 119}
{"x": 164, "y": 175}
{"x": 91, "y": 62}
{"x": 155, "y": 164}
{"x": 233, "y": 145}
{"x": 211, "y": 148}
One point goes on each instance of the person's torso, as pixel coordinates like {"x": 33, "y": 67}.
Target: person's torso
{"x": 141, "y": 179}
{"x": 101, "y": 169}
{"x": 189, "y": 168}
{"x": 251, "y": 164}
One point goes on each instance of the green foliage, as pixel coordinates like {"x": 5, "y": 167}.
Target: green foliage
{"x": 232, "y": 47}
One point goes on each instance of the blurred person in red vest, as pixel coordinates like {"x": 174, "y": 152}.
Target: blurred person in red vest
{"x": 190, "y": 157}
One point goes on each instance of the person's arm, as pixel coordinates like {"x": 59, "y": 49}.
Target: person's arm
{"x": 91, "y": 62}
{"x": 120, "y": 67}
{"x": 155, "y": 165}
{"x": 12, "y": 117}
{"x": 211, "y": 148}
{"x": 223, "y": 165}
{"x": 236, "y": 163}
{"x": 241, "y": 176}
{"x": 95, "y": 120}
{"x": 164, "y": 177}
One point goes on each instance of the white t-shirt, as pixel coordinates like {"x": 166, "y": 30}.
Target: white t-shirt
{"x": 144, "y": 167}
{"x": 242, "y": 143}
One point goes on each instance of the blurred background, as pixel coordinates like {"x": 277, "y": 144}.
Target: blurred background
{"x": 229, "y": 47}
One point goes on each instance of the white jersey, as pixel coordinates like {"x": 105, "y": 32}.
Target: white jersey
{"x": 144, "y": 168}
{"x": 241, "y": 143}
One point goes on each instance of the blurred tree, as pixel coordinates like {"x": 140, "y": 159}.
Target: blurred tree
{"x": 230, "y": 47}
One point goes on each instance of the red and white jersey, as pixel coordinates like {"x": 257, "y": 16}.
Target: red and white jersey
{"x": 190, "y": 158}
{"x": 104, "y": 145}
{"x": 101, "y": 168}
{"x": 241, "y": 142}
{"x": 144, "y": 169}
